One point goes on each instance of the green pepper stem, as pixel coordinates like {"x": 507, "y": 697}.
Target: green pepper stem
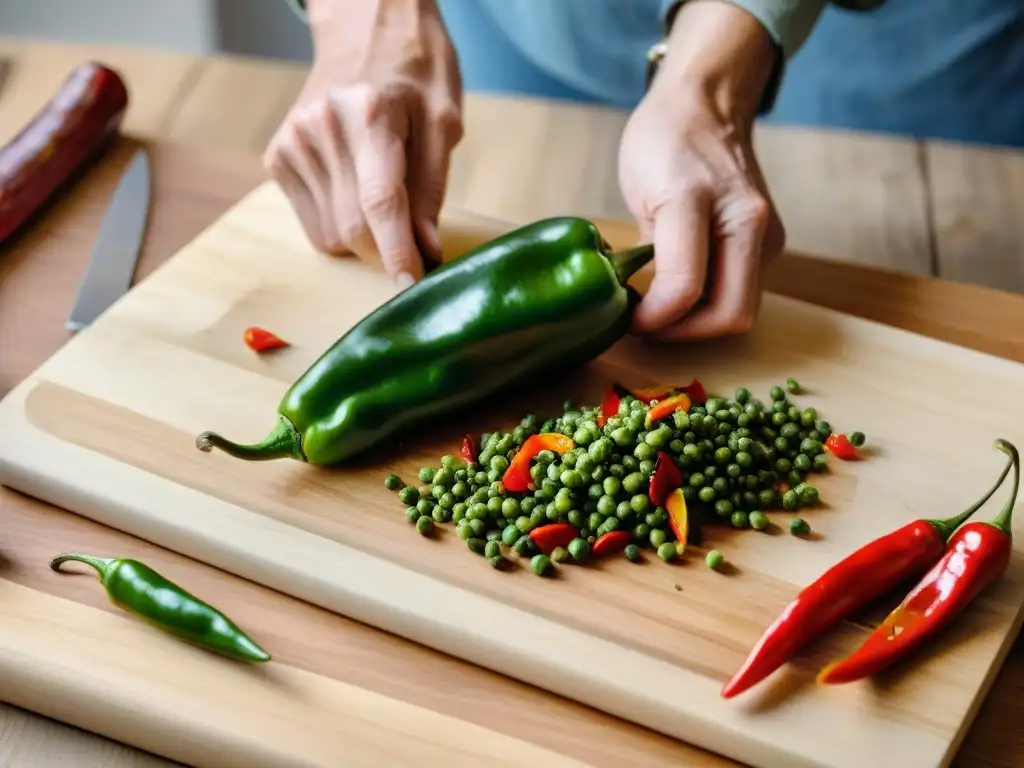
{"x": 102, "y": 565}
{"x": 627, "y": 262}
{"x": 282, "y": 442}
{"x": 947, "y": 527}
{"x": 1002, "y": 520}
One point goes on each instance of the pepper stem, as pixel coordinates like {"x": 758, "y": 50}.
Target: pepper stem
{"x": 627, "y": 262}
{"x": 1002, "y": 520}
{"x": 282, "y": 442}
{"x": 950, "y": 524}
{"x": 101, "y": 565}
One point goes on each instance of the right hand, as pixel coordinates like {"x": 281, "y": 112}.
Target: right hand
{"x": 363, "y": 154}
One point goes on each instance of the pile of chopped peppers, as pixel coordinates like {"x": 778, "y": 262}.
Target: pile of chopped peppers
{"x": 646, "y": 468}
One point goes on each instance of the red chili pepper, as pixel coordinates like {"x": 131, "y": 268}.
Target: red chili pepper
{"x": 549, "y": 537}
{"x": 678, "y": 515}
{"x": 666, "y": 407}
{"x": 666, "y": 478}
{"x": 468, "y": 450}
{"x": 841, "y": 447}
{"x": 696, "y": 393}
{"x": 611, "y": 542}
{"x": 261, "y": 340}
{"x": 517, "y": 476}
{"x": 849, "y": 585}
{"x": 976, "y": 555}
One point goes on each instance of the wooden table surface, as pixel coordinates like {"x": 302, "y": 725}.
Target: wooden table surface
{"x": 855, "y": 202}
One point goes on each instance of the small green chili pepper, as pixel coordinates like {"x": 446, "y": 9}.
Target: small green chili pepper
{"x": 141, "y": 591}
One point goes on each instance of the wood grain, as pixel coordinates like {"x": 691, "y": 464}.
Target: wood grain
{"x": 910, "y": 302}
{"x": 255, "y": 96}
{"x": 337, "y": 539}
{"x": 978, "y": 196}
{"x": 198, "y": 185}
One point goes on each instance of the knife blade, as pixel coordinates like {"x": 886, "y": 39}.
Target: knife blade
{"x": 116, "y": 251}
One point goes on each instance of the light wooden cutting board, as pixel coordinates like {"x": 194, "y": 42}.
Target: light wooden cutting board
{"x": 106, "y": 428}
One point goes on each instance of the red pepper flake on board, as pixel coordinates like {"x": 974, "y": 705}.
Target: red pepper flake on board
{"x": 261, "y": 340}
{"x": 468, "y": 450}
{"x": 841, "y": 447}
{"x": 666, "y": 478}
{"x": 611, "y": 542}
{"x": 517, "y": 476}
{"x": 549, "y": 537}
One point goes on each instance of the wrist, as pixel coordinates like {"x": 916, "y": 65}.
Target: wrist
{"x": 365, "y": 19}
{"x": 717, "y": 52}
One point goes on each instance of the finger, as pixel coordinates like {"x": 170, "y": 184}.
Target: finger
{"x": 310, "y": 165}
{"x": 735, "y": 292}
{"x": 431, "y": 144}
{"x": 347, "y": 215}
{"x": 380, "y": 171}
{"x": 680, "y": 261}
{"x": 297, "y": 192}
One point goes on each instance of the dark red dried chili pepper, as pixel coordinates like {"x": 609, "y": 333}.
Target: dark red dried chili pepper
{"x": 553, "y": 535}
{"x": 611, "y": 542}
{"x": 976, "y": 555}
{"x": 841, "y": 447}
{"x": 468, "y": 450}
{"x": 665, "y": 408}
{"x": 261, "y": 340}
{"x": 665, "y": 479}
{"x": 517, "y": 476}
{"x": 678, "y": 515}
{"x": 849, "y": 585}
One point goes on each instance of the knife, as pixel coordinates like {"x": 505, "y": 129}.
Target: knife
{"x": 116, "y": 251}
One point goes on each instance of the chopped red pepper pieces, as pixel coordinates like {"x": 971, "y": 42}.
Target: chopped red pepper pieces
{"x": 611, "y": 542}
{"x": 678, "y": 520}
{"x": 548, "y": 537}
{"x": 261, "y": 340}
{"x": 517, "y": 476}
{"x": 468, "y": 450}
{"x": 666, "y": 407}
{"x": 666, "y": 478}
{"x": 696, "y": 393}
{"x": 841, "y": 447}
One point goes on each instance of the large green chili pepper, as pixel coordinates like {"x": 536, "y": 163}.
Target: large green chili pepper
{"x": 543, "y": 297}
{"x": 138, "y": 589}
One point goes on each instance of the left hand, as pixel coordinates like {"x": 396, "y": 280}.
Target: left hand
{"x": 689, "y": 176}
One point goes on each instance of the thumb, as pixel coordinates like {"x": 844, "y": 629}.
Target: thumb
{"x": 681, "y": 235}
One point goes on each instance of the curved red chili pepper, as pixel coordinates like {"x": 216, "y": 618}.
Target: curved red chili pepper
{"x": 666, "y": 478}
{"x": 468, "y": 450}
{"x": 549, "y": 537}
{"x": 841, "y": 447}
{"x": 261, "y": 340}
{"x": 678, "y": 516}
{"x": 664, "y": 408}
{"x": 848, "y": 586}
{"x": 611, "y": 542}
{"x": 976, "y": 555}
{"x": 517, "y": 476}
{"x": 696, "y": 393}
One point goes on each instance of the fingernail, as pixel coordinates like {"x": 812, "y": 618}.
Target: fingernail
{"x": 404, "y": 280}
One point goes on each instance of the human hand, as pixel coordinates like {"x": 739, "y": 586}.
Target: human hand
{"x": 363, "y": 154}
{"x": 689, "y": 176}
